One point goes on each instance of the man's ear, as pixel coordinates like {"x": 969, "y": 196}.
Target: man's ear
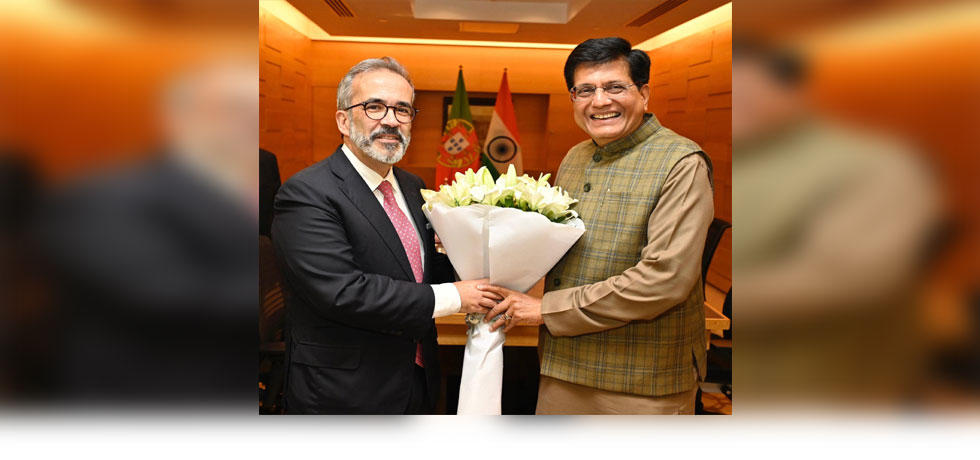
{"x": 645, "y": 92}
{"x": 343, "y": 122}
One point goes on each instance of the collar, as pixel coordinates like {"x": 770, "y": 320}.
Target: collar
{"x": 371, "y": 178}
{"x": 646, "y": 129}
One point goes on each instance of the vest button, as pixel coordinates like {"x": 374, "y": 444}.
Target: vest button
{"x": 597, "y": 157}
{"x": 557, "y": 282}
{"x": 587, "y": 187}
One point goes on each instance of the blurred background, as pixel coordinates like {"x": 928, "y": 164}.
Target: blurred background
{"x": 855, "y": 151}
{"x": 128, "y": 132}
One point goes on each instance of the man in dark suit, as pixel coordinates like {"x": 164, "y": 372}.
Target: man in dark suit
{"x": 360, "y": 264}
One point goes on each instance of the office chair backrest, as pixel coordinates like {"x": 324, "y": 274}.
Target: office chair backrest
{"x": 715, "y": 232}
{"x": 272, "y": 303}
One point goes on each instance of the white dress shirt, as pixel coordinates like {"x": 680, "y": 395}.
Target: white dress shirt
{"x": 447, "y": 297}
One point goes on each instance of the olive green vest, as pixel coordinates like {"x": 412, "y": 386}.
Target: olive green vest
{"x": 618, "y": 187}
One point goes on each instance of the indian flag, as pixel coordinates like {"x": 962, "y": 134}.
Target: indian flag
{"x": 503, "y": 145}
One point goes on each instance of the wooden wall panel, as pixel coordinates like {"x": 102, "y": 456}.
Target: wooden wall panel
{"x": 285, "y": 94}
{"x": 690, "y": 84}
{"x": 691, "y": 93}
{"x": 326, "y": 137}
{"x": 433, "y": 67}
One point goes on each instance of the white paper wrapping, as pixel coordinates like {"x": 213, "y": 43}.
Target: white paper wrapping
{"x": 514, "y": 249}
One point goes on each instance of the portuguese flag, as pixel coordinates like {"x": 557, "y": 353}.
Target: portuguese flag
{"x": 459, "y": 149}
{"x": 503, "y": 145}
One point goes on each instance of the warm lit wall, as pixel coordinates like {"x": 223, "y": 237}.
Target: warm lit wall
{"x": 914, "y": 82}
{"x": 690, "y": 83}
{"x": 76, "y": 100}
{"x": 691, "y": 87}
{"x": 285, "y": 121}
{"x": 298, "y": 90}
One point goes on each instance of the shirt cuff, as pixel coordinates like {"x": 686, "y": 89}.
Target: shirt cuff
{"x": 447, "y": 300}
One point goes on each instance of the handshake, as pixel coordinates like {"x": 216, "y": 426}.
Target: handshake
{"x": 473, "y": 297}
{"x": 504, "y": 307}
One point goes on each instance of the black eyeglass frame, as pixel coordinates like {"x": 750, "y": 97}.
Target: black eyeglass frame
{"x": 604, "y": 89}
{"x": 364, "y": 105}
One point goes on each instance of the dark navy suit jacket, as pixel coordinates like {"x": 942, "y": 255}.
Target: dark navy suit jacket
{"x": 355, "y": 312}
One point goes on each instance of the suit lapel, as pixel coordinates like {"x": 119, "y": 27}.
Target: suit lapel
{"x": 364, "y": 200}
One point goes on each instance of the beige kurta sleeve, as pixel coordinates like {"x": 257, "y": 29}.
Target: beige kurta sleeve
{"x": 669, "y": 267}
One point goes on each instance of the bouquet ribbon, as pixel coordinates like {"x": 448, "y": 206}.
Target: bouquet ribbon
{"x": 512, "y": 248}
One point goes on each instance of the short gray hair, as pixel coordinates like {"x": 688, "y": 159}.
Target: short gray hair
{"x": 345, "y": 90}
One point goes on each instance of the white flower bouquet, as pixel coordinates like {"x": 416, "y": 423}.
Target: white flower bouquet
{"x": 511, "y": 230}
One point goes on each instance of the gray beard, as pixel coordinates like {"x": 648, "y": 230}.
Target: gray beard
{"x": 388, "y": 155}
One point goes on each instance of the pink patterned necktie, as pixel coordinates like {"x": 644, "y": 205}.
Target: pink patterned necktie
{"x": 410, "y": 241}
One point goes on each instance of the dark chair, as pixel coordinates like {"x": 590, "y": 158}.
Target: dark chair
{"x": 720, "y": 352}
{"x": 272, "y": 311}
{"x": 719, "y": 365}
{"x": 715, "y": 232}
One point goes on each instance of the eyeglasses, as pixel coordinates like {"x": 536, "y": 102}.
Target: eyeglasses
{"x": 585, "y": 92}
{"x": 377, "y": 111}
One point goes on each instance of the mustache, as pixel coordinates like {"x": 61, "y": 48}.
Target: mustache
{"x": 387, "y": 131}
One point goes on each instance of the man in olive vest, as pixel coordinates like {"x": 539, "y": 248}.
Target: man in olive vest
{"x": 624, "y": 309}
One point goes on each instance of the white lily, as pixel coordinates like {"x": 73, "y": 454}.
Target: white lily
{"x": 508, "y": 191}
{"x": 477, "y": 193}
{"x": 433, "y": 197}
{"x": 483, "y": 177}
{"x": 460, "y": 191}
